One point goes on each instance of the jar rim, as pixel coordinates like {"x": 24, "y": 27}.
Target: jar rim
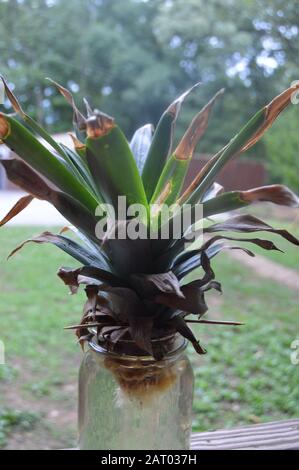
{"x": 95, "y": 346}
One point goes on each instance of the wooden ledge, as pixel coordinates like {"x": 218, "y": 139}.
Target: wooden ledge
{"x": 278, "y": 435}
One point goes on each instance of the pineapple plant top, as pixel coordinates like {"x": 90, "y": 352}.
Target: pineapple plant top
{"x": 137, "y": 287}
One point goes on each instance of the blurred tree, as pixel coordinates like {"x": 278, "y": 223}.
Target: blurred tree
{"x": 279, "y": 23}
{"x": 221, "y": 43}
{"x": 104, "y": 50}
{"x": 131, "y": 58}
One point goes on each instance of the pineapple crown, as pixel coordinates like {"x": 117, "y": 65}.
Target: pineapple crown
{"x": 139, "y": 288}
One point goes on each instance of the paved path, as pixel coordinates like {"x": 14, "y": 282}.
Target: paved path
{"x": 269, "y": 269}
{"x": 37, "y": 213}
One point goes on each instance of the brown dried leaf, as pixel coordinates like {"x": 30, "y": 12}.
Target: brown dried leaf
{"x": 195, "y": 131}
{"x": 79, "y": 119}
{"x": 276, "y": 193}
{"x": 22, "y": 203}
{"x": 70, "y": 278}
{"x": 151, "y": 284}
{"x": 194, "y": 301}
{"x": 4, "y": 128}
{"x": 89, "y": 110}
{"x": 23, "y": 176}
{"x": 175, "y": 106}
{"x": 92, "y": 296}
{"x": 180, "y": 325}
{"x": 141, "y": 331}
{"x": 265, "y": 244}
{"x": 272, "y": 110}
{"x": 117, "y": 334}
{"x": 99, "y": 124}
{"x": 216, "y": 322}
{"x": 12, "y": 98}
{"x": 26, "y": 178}
{"x": 77, "y": 143}
{"x": 247, "y": 224}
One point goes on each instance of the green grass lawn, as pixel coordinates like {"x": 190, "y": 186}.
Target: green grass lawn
{"x": 246, "y": 376}
{"x": 42, "y": 359}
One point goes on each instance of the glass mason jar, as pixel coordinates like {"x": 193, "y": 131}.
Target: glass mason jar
{"x": 128, "y": 401}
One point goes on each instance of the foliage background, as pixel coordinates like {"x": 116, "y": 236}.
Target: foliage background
{"x": 132, "y": 57}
